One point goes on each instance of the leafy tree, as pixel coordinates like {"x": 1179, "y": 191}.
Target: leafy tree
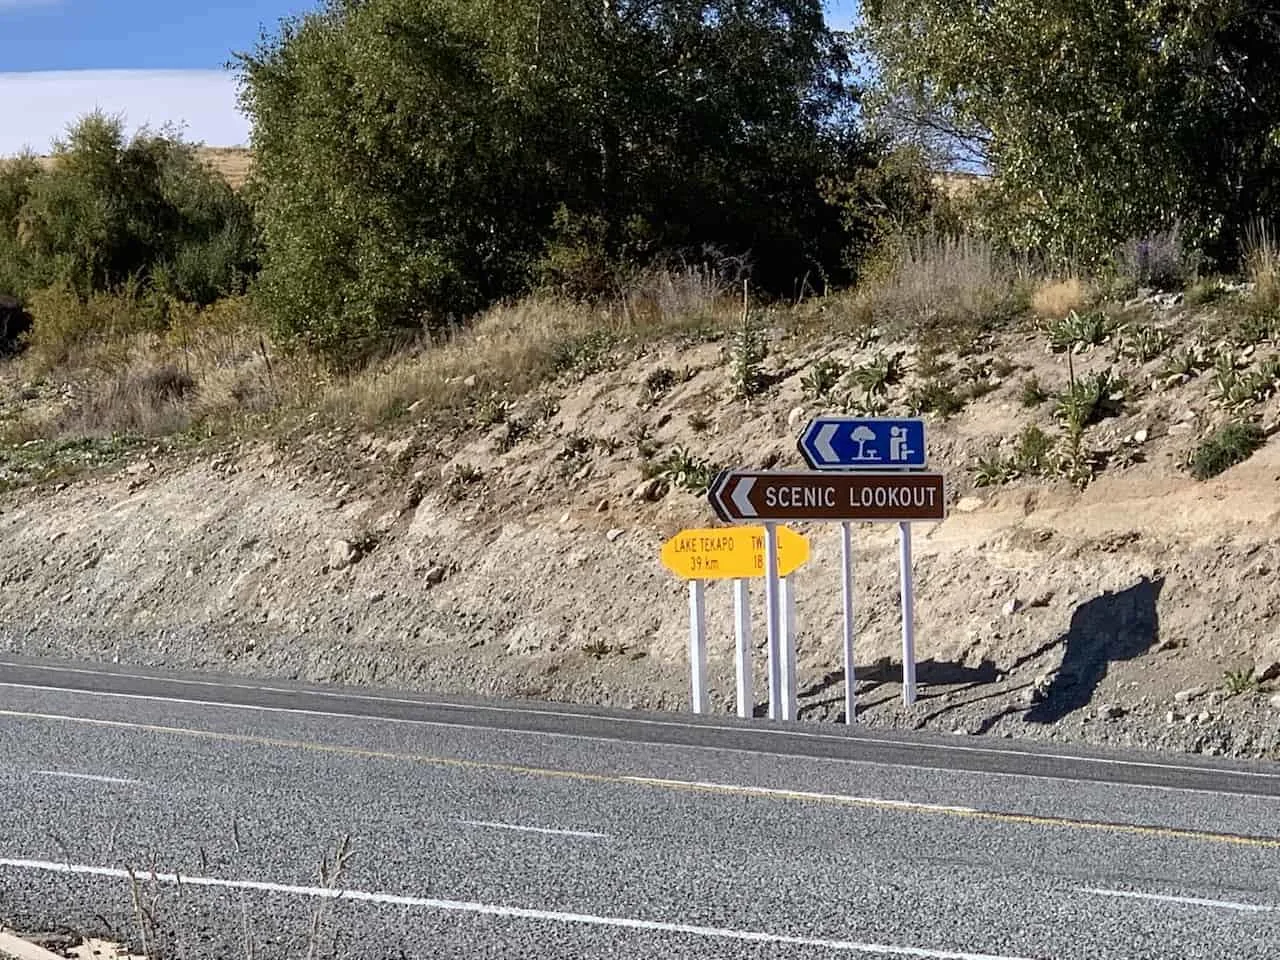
{"x": 416, "y": 159}
{"x": 1100, "y": 121}
{"x": 110, "y": 212}
{"x": 16, "y": 179}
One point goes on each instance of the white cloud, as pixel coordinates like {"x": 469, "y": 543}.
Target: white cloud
{"x": 39, "y": 106}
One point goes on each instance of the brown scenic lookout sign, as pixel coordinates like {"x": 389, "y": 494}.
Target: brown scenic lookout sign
{"x": 747, "y": 496}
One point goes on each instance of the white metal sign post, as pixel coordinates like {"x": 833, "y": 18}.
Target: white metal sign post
{"x": 698, "y": 644}
{"x": 908, "y": 616}
{"x": 742, "y": 658}
{"x": 846, "y": 567}
{"x": 737, "y": 554}
{"x": 788, "y": 649}
{"x": 773, "y": 618}
{"x": 871, "y": 443}
{"x": 863, "y": 470}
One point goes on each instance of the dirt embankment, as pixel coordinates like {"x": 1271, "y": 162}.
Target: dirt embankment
{"x": 477, "y": 563}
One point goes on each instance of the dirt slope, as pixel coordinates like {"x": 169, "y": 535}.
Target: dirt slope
{"x": 1043, "y": 611}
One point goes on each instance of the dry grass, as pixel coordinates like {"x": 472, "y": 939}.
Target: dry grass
{"x": 1055, "y": 299}
{"x": 139, "y": 373}
{"x": 515, "y": 347}
{"x": 946, "y": 284}
{"x": 231, "y": 163}
{"x": 1262, "y": 263}
{"x": 211, "y": 369}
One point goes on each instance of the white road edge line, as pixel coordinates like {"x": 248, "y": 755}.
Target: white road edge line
{"x": 554, "y": 735}
{"x": 93, "y": 777}
{"x": 784, "y": 794}
{"x": 1189, "y": 901}
{"x": 495, "y": 825}
{"x": 639, "y": 721}
{"x": 516, "y": 913}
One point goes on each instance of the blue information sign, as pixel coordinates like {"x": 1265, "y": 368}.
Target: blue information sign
{"x": 864, "y": 443}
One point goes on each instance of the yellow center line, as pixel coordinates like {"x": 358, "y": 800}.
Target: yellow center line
{"x": 583, "y": 776}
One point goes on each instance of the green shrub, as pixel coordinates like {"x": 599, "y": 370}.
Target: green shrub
{"x": 1230, "y": 445}
{"x": 1241, "y": 681}
{"x": 110, "y": 212}
{"x": 993, "y": 470}
{"x": 63, "y": 322}
{"x": 1143, "y": 344}
{"x": 415, "y": 162}
{"x": 936, "y": 395}
{"x": 687, "y": 471}
{"x": 659, "y": 383}
{"x": 878, "y": 374}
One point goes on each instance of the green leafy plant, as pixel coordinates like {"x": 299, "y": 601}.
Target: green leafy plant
{"x": 1091, "y": 399}
{"x": 1032, "y": 394}
{"x": 935, "y": 396}
{"x": 687, "y": 471}
{"x": 865, "y": 405}
{"x": 1237, "y": 389}
{"x": 1076, "y": 464}
{"x": 586, "y": 354}
{"x": 1143, "y": 344}
{"x": 747, "y": 355}
{"x": 1241, "y": 681}
{"x": 1229, "y": 445}
{"x": 659, "y": 383}
{"x": 994, "y": 470}
{"x": 1187, "y": 361}
{"x": 1257, "y": 327}
{"x": 822, "y": 378}
{"x": 1079, "y": 331}
{"x": 878, "y": 374}
{"x": 1032, "y": 453}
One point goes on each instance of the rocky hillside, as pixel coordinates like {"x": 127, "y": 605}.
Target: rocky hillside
{"x": 1085, "y": 584}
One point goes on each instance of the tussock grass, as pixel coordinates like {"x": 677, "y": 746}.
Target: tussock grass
{"x": 947, "y": 285}
{"x": 1231, "y": 444}
{"x": 146, "y": 368}
{"x": 1262, "y": 265}
{"x": 1056, "y": 299}
{"x": 205, "y": 369}
{"x": 514, "y": 347}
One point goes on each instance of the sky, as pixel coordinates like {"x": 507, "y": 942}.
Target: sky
{"x": 156, "y": 62}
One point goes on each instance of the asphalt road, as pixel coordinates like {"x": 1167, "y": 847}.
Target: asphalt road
{"x": 207, "y": 814}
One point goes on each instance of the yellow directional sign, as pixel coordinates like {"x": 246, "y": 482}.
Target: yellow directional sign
{"x": 731, "y": 553}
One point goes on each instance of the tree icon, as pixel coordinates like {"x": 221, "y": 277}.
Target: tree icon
{"x": 860, "y": 436}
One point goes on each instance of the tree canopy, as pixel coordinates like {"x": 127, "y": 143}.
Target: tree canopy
{"x": 417, "y": 159}
{"x": 1100, "y": 120}
{"x": 108, "y": 211}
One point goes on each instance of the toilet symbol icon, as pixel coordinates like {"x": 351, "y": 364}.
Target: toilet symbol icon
{"x": 898, "y": 449}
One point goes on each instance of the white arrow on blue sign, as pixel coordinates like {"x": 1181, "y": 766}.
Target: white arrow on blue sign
{"x": 864, "y": 443}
